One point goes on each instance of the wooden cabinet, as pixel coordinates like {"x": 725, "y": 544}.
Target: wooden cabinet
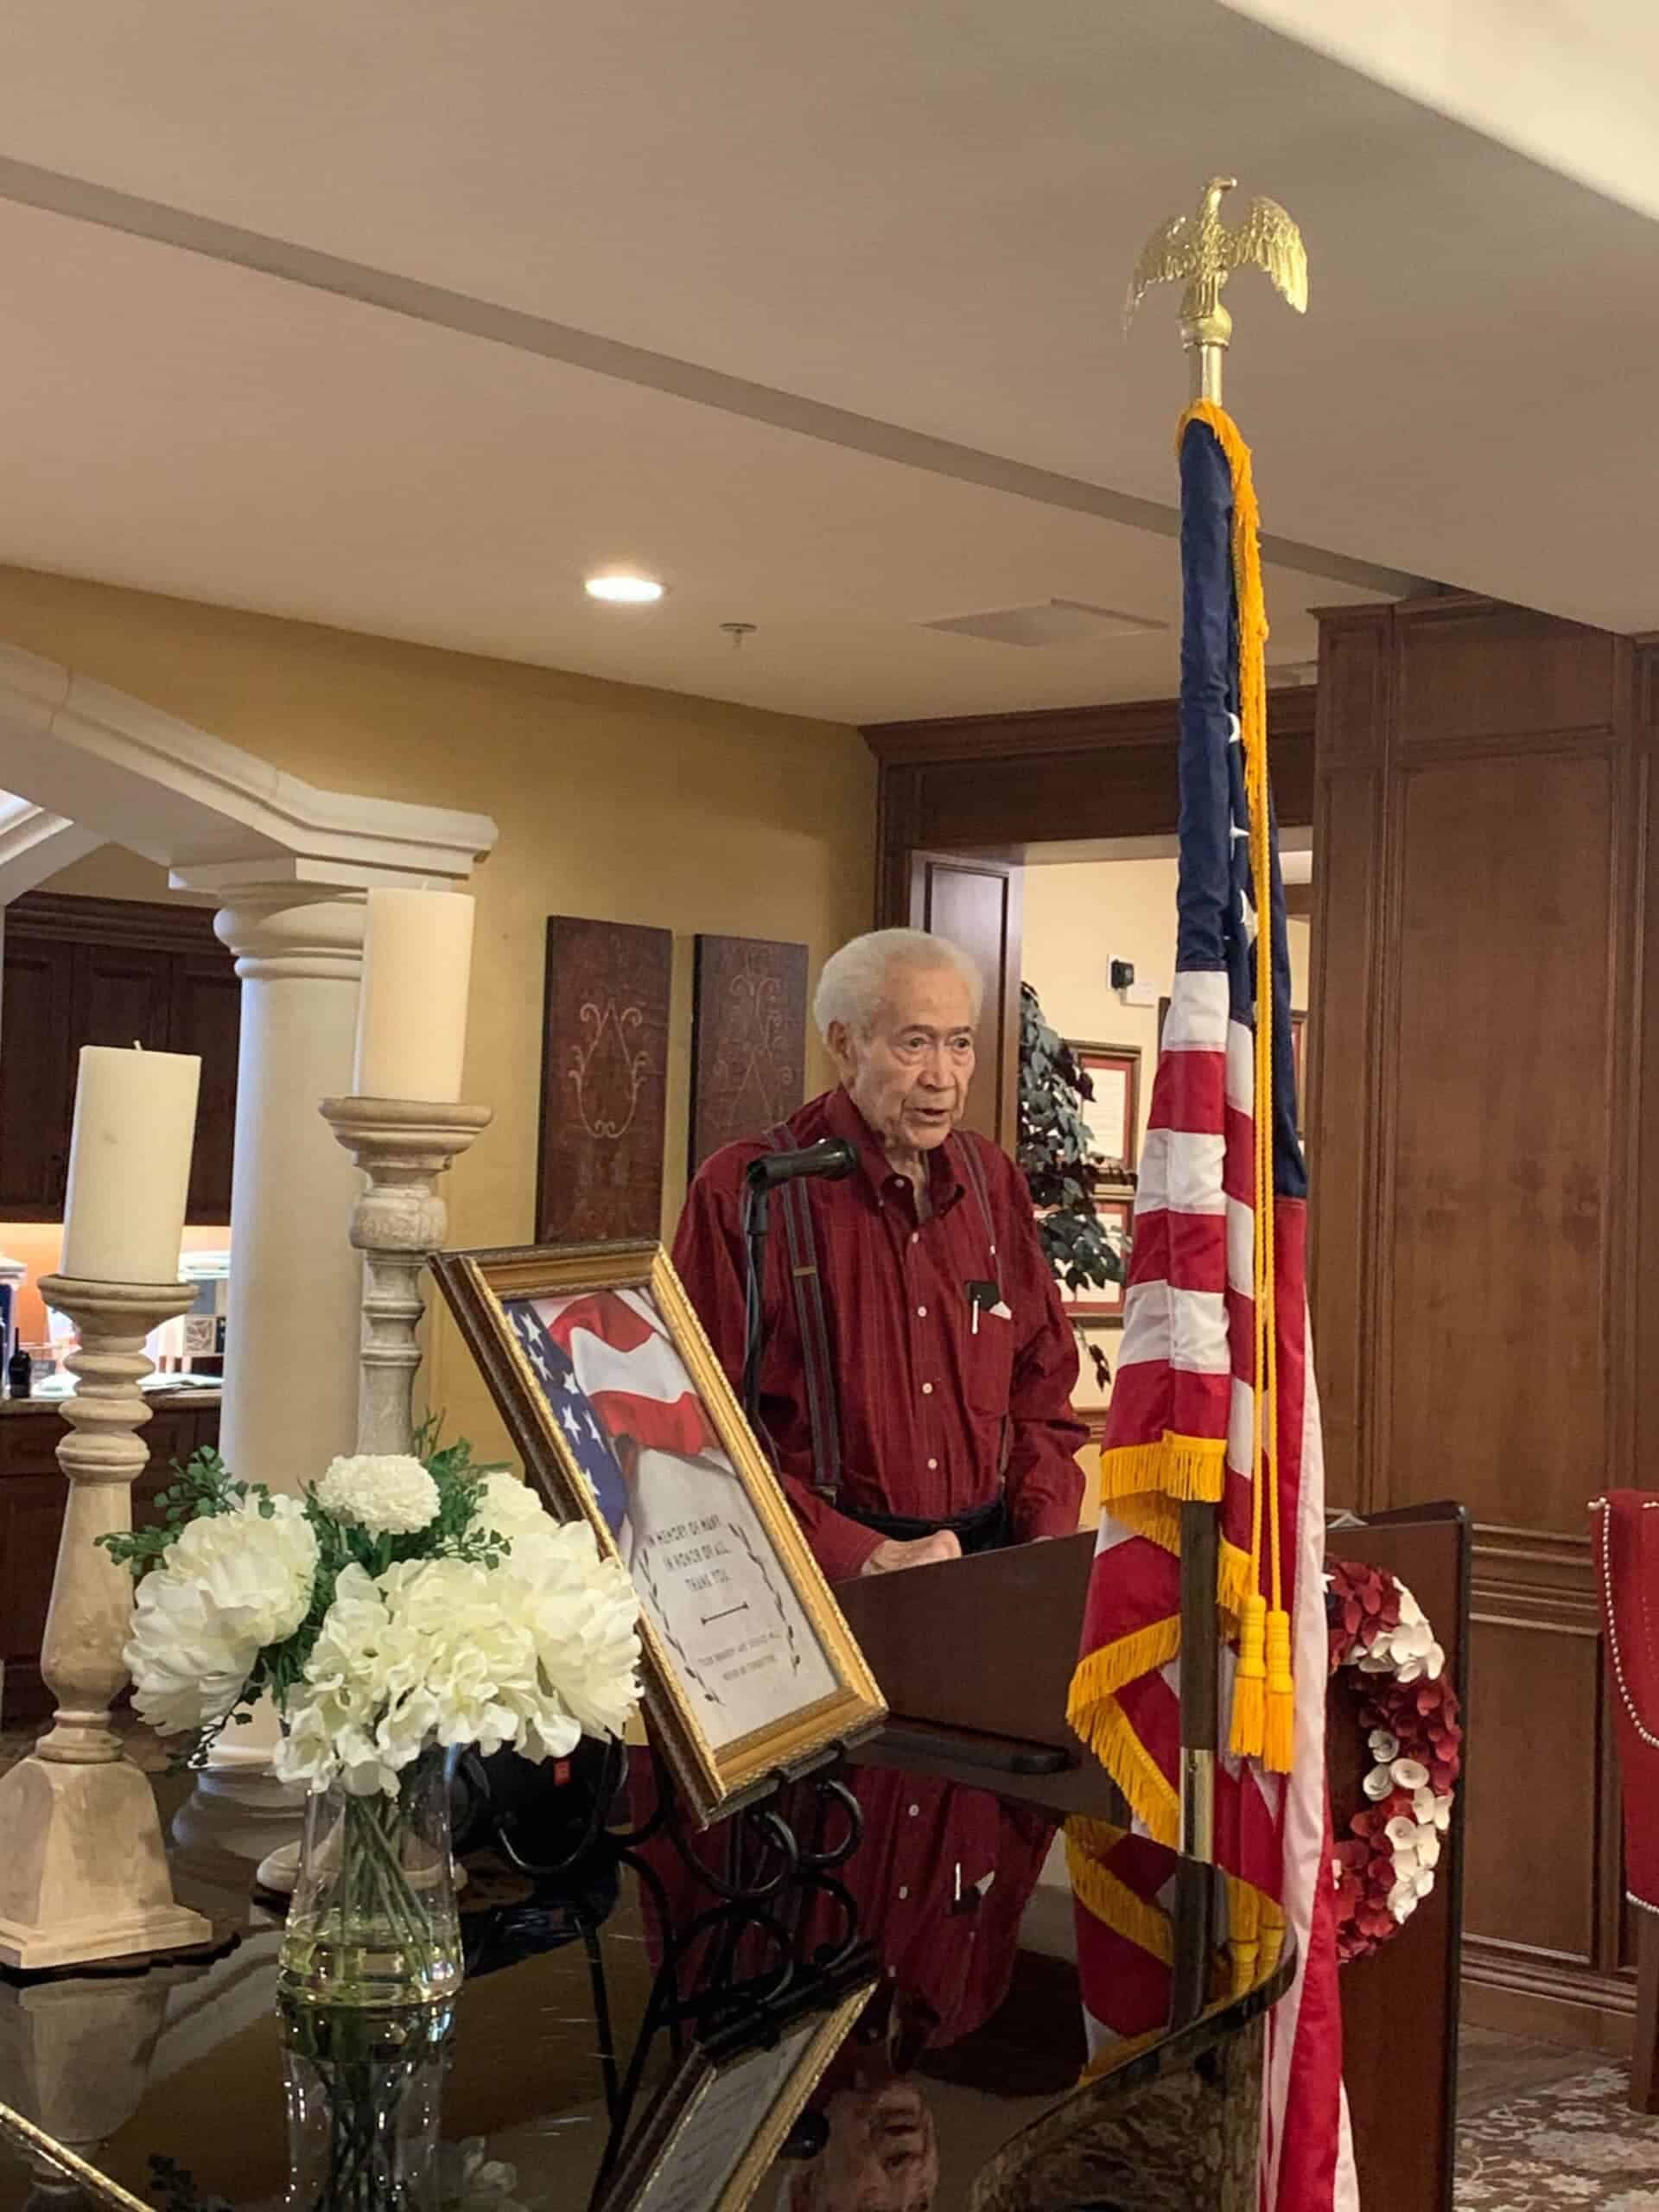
{"x": 110, "y": 971}
{"x": 32, "y": 1491}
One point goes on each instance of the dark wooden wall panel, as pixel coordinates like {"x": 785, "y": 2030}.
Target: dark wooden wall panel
{"x": 1482, "y": 1208}
{"x": 1348, "y": 840}
{"x": 1494, "y": 1321}
{"x": 1533, "y": 1686}
{"x": 1477, "y": 670}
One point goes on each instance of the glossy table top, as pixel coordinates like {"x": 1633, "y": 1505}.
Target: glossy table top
{"x": 173, "y": 2086}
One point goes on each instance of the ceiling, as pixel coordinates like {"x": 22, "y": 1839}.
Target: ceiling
{"x": 404, "y": 318}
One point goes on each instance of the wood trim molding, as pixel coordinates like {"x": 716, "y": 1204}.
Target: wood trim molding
{"x": 1536, "y": 1997}
{"x": 63, "y": 918}
{"x": 1291, "y": 712}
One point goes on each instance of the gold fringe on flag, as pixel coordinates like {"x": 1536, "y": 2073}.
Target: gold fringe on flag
{"x": 1190, "y": 1467}
{"x": 1264, "y": 1702}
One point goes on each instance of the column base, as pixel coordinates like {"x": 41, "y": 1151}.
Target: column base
{"x": 241, "y": 1812}
{"x": 84, "y": 1874}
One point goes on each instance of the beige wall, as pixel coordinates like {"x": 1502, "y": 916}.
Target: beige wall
{"x": 1076, "y": 915}
{"x": 628, "y": 804}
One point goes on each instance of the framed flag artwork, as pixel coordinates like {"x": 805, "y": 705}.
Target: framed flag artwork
{"x": 1114, "y": 1113}
{"x": 624, "y": 1418}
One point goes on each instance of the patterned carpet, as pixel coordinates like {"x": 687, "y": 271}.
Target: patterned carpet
{"x": 1574, "y": 2144}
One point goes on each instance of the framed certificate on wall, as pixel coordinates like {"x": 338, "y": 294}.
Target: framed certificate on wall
{"x": 1113, "y": 1114}
{"x": 610, "y": 1388}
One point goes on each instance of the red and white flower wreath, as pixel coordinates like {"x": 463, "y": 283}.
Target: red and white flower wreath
{"x": 1384, "y": 1866}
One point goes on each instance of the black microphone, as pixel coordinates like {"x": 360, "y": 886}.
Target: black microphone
{"x": 832, "y": 1157}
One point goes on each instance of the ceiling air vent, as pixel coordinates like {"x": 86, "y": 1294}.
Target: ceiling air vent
{"x": 1049, "y": 622}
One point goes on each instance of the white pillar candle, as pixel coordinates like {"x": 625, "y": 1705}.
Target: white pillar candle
{"x": 130, "y": 1164}
{"x": 411, "y": 1021}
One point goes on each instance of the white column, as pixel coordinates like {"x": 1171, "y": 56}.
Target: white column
{"x": 296, "y": 1288}
{"x": 294, "y": 1311}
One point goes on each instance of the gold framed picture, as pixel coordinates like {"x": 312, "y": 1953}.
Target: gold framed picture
{"x": 612, "y": 1395}
{"x": 707, "y": 2144}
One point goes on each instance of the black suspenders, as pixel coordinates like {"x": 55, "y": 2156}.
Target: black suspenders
{"x": 812, "y": 1322}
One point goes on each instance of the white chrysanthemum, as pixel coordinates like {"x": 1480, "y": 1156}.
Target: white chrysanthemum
{"x": 442, "y": 1652}
{"x": 388, "y": 1493}
{"x": 510, "y": 1507}
{"x": 584, "y": 1614}
{"x": 230, "y": 1583}
{"x": 424, "y": 1654}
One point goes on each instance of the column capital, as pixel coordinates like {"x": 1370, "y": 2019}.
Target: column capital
{"x": 280, "y": 934}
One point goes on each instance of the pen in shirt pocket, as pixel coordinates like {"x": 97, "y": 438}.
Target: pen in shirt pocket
{"x": 983, "y": 1298}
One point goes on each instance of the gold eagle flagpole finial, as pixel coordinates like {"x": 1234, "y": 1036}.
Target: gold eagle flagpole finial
{"x": 1202, "y": 253}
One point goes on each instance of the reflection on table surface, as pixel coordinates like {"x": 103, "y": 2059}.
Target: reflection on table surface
{"x": 187, "y": 2086}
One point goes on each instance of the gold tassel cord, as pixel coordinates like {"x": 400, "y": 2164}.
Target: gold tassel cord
{"x": 1263, "y": 1721}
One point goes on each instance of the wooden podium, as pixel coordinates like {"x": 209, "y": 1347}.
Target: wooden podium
{"x": 975, "y": 1658}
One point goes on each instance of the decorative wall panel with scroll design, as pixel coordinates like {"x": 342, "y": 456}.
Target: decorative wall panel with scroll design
{"x": 748, "y": 1040}
{"x": 604, "y": 1081}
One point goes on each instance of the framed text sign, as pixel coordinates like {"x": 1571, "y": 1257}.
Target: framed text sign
{"x": 624, "y": 1415}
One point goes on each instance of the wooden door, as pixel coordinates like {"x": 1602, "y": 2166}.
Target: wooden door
{"x": 977, "y": 905}
{"x": 37, "y": 1077}
{"x": 206, "y": 1018}
{"x": 109, "y": 971}
{"x": 122, "y": 994}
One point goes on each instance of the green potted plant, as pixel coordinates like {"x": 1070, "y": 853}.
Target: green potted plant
{"x": 1061, "y": 1172}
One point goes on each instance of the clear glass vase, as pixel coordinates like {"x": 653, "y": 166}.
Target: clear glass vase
{"x": 372, "y": 1920}
{"x": 365, "y": 2096}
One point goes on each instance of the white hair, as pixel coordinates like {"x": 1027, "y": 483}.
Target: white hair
{"x": 852, "y": 980}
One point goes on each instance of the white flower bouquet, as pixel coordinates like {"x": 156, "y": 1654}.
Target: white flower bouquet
{"x": 402, "y": 1609}
{"x": 400, "y": 1602}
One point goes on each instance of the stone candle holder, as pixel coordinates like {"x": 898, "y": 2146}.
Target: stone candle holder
{"x": 84, "y": 1873}
{"x": 403, "y": 1145}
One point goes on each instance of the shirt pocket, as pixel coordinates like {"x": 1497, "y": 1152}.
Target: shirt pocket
{"x": 987, "y": 1365}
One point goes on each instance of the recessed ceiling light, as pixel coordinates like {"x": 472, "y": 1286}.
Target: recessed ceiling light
{"x": 624, "y": 589}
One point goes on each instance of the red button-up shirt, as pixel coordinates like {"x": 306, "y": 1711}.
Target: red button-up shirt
{"x": 927, "y": 1401}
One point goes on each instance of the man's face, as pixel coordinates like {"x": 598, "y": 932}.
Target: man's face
{"x": 909, "y": 1077}
{"x": 882, "y": 2155}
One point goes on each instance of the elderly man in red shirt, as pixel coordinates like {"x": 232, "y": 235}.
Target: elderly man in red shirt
{"x": 916, "y": 1390}
{"x": 916, "y": 1395}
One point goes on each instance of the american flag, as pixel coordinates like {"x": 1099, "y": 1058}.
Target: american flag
{"x": 1187, "y": 1421}
{"x": 608, "y": 1367}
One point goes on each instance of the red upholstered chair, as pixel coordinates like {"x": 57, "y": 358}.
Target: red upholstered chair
{"x": 1625, "y": 1542}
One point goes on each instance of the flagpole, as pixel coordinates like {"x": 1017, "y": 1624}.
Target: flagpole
{"x": 1200, "y": 253}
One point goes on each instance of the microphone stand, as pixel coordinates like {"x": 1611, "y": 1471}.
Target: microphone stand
{"x": 757, "y": 1208}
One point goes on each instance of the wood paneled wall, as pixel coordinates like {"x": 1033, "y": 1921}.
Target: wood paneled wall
{"x": 1480, "y": 943}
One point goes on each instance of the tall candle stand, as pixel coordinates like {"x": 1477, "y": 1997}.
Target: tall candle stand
{"x": 82, "y": 1873}
{"x": 403, "y": 1145}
